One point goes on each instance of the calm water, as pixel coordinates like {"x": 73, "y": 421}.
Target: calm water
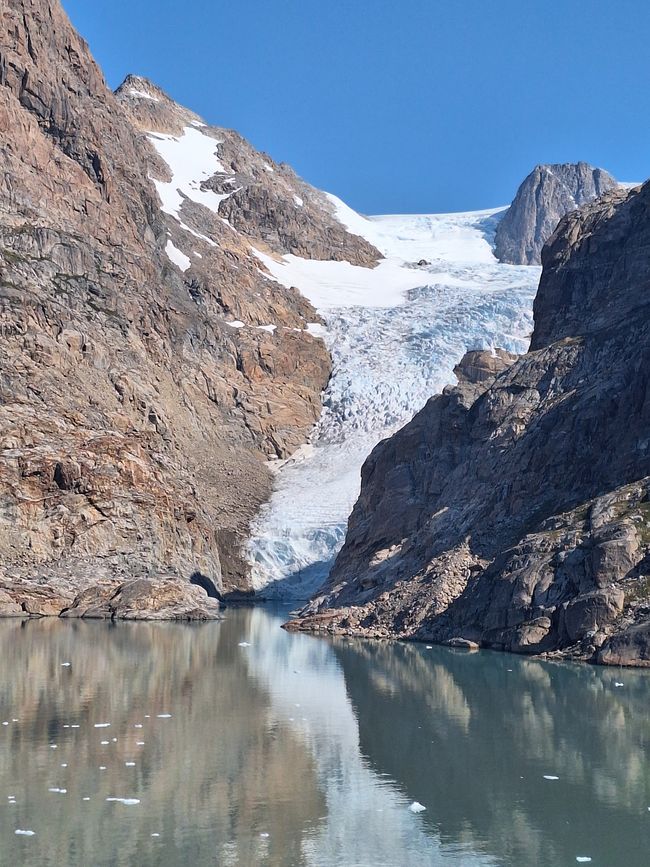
{"x": 303, "y": 751}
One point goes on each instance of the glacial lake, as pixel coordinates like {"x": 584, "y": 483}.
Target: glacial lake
{"x": 235, "y": 743}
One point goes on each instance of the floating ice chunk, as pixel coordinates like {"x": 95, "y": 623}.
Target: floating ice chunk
{"x": 104, "y": 743}
{"x": 128, "y": 802}
{"x": 114, "y": 740}
{"x": 164, "y": 716}
{"x": 139, "y": 743}
{"x": 57, "y": 791}
{"x": 129, "y": 764}
{"x": 417, "y": 807}
{"x": 75, "y": 727}
{"x": 13, "y": 798}
{"x": 20, "y": 833}
{"x": 85, "y": 799}
{"x": 5, "y": 723}
{"x": 155, "y": 834}
{"x": 66, "y": 664}
{"x": 64, "y": 765}
{"x": 102, "y": 767}
{"x": 616, "y": 683}
{"x": 53, "y": 746}
{"x": 550, "y": 777}
{"x": 102, "y": 725}
{"x": 429, "y": 647}
{"x": 583, "y": 859}
{"x": 137, "y": 726}
{"x": 244, "y": 644}
{"x": 265, "y": 835}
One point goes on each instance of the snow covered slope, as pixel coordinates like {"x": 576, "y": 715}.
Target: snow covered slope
{"x": 395, "y": 333}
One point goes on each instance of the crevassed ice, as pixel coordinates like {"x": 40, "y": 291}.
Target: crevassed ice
{"x": 395, "y": 333}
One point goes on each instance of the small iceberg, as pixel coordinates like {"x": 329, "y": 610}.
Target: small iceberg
{"x": 417, "y": 807}
{"x": 128, "y": 802}
{"x": 20, "y": 833}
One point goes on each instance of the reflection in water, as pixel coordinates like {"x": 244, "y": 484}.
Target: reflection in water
{"x": 473, "y": 736}
{"x": 300, "y": 751}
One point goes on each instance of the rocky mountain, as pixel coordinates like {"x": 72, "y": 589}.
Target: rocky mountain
{"x": 514, "y": 510}
{"x": 545, "y": 196}
{"x": 150, "y": 364}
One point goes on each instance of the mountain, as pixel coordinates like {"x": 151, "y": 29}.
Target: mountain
{"x": 151, "y": 365}
{"x": 544, "y": 197}
{"x": 512, "y": 512}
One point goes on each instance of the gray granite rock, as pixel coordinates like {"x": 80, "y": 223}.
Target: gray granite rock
{"x": 514, "y": 510}
{"x": 545, "y": 196}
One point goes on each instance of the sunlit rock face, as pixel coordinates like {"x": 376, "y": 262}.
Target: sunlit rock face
{"x": 150, "y": 365}
{"x": 545, "y": 196}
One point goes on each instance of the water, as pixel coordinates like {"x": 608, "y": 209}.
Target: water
{"x": 320, "y": 744}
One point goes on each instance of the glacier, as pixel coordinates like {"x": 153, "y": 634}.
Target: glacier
{"x": 395, "y": 333}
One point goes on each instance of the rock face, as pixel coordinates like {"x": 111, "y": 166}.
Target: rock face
{"x": 547, "y": 194}
{"x": 514, "y": 510}
{"x": 149, "y": 366}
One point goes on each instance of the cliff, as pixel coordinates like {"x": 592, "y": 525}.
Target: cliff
{"x": 544, "y": 197}
{"x": 150, "y": 367}
{"x": 512, "y": 512}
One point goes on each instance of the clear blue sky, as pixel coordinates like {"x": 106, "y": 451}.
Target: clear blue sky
{"x": 399, "y": 105}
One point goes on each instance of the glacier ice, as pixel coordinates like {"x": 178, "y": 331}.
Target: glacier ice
{"x": 395, "y": 333}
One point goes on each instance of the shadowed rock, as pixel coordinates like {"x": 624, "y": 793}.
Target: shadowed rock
{"x": 513, "y": 511}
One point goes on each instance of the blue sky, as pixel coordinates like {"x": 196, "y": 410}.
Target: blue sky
{"x": 399, "y": 105}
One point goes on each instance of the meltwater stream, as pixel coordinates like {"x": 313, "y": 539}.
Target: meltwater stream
{"x": 395, "y": 335}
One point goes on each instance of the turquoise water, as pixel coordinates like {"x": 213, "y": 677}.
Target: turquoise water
{"x": 296, "y": 750}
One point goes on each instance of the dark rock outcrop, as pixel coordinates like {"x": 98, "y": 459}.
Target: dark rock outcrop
{"x": 545, "y": 196}
{"x": 135, "y": 422}
{"x": 513, "y": 511}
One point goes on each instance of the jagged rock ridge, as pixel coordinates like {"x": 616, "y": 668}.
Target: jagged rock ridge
{"x": 149, "y": 365}
{"x": 513, "y": 511}
{"x": 544, "y": 197}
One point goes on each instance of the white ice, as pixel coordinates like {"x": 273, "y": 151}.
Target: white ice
{"x": 178, "y": 258}
{"x": 395, "y": 333}
{"x": 192, "y": 159}
{"x": 140, "y": 94}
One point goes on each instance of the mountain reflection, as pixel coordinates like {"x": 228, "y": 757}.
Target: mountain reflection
{"x": 288, "y": 750}
{"x": 473, "y": 736}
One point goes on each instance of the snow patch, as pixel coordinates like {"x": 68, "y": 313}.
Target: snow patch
{"x": 140, "y": 94}
{"x": 179, "y": 259}
{"x": 192, "y": 159}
